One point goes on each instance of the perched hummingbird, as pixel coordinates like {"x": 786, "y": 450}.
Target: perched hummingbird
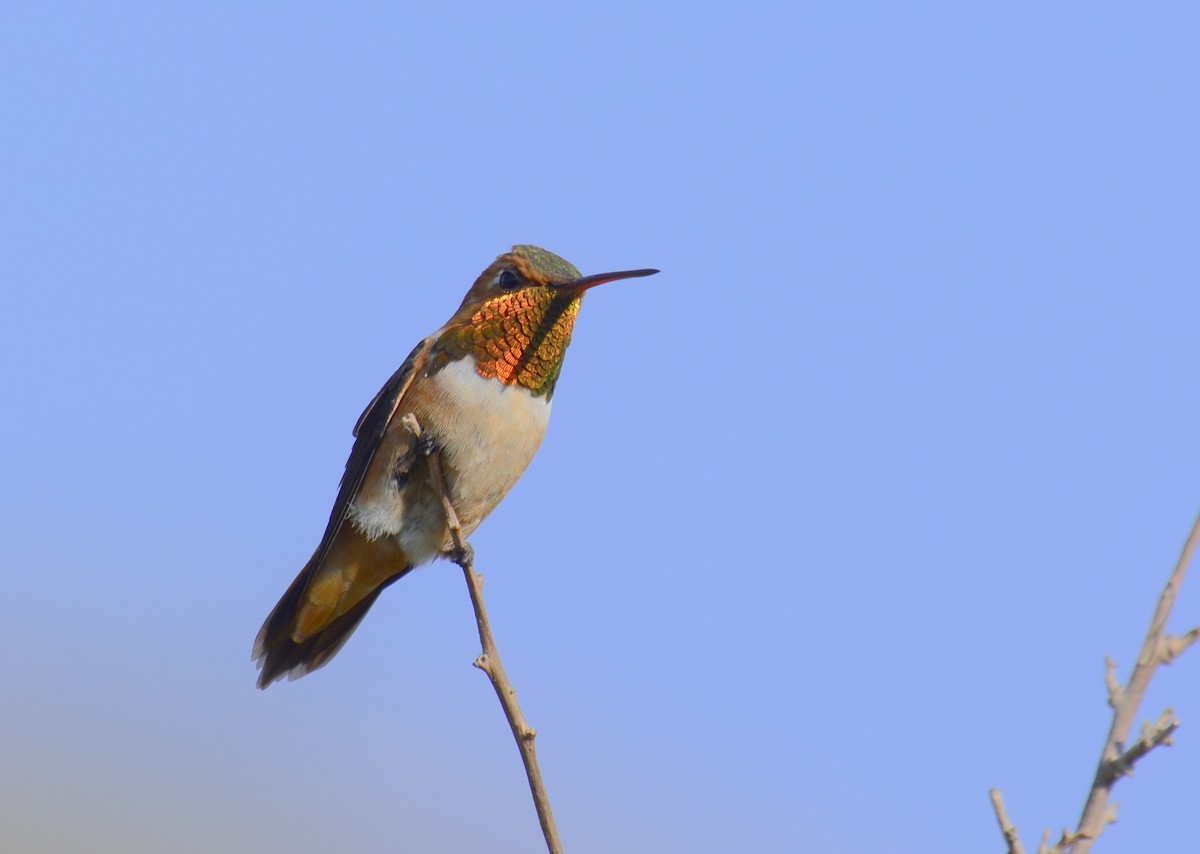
{"x": 480, "y": 387}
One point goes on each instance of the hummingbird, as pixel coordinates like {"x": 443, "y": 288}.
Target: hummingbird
{"x": 480, "y": 388}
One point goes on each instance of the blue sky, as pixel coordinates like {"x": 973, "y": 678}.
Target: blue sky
{"x": 837, "y": 516}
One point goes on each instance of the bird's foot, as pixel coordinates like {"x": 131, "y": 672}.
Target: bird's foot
{"x": 426, "y": 444}
{"x": 464, "y": 557}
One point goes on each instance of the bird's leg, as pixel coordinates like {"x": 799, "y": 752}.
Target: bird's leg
{"x": 462, "y": 552}
{"x": 424, "y": 446}
{"x": 406, "y": 462}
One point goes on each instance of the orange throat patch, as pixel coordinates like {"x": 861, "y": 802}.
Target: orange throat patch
{"x": 518, "y": 338}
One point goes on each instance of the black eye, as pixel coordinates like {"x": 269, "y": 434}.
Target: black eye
{"x": 508, "y": 280}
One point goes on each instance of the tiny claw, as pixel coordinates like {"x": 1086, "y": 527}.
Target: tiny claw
{"x": 426, "y": 444}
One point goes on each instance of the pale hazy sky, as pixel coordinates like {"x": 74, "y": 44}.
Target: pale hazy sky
{"x": 837, "y": 516}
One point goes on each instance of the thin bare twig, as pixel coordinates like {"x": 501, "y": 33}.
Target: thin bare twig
{"x": 489, "y": 659}
{"x": 1065, "y": 841}
{"x": 1011, "y": 836}
{"x": 1176, "y": 645}
{"x": 1153, "y": 735}
{"x": 1115, "y": 761}
{"x": 1116, "y": 691}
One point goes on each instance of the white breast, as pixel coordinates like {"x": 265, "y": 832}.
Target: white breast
{"x": 487, "y": 432}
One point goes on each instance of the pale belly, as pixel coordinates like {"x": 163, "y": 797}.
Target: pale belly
{"x": 487, "y": 432}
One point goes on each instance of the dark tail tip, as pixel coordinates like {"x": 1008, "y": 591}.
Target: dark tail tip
{"x": 278, "y": 655}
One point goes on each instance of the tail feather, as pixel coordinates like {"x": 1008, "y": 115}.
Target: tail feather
{"x": 325, "y": 604}
{"x": 279, "y": 656}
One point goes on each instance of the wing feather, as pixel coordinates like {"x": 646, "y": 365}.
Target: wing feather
{"x": 368, "y": 435}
